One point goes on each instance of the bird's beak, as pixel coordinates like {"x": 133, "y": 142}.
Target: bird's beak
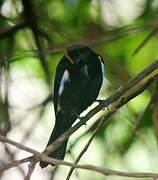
{"x": 69, "y": 58}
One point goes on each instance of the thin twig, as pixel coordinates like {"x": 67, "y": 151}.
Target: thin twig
{"x": 31, "y": 168}
{"x": 149, "y": 36}
{"x": 53, "y": 161}
{"x": 100, "y": 124}
{"x": 31, "y": 20}
{"x": 15, "y": 163}
{"x": 53, "y": 172}
{"x": 12, "y": 157}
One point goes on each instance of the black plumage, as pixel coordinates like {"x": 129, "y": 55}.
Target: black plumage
{"x": 78, "y": 80}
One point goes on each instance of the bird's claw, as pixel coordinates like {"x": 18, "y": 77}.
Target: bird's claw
{"x": 81, "y": 119}
{"x": 103, "y": 103}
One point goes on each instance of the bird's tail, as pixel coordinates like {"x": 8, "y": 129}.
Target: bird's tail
{"x": 62, "y": 124}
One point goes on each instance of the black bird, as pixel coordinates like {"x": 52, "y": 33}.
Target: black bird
{"x": 78, "y": 80}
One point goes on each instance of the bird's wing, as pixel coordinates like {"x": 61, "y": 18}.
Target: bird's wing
{"x": 61, "y": 77}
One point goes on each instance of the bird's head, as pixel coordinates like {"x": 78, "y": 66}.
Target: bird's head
{"x": 79, "y": 54}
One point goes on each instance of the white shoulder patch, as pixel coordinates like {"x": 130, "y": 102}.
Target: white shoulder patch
{"x": 102, "y": 66}
{"x": 64, "y": 79}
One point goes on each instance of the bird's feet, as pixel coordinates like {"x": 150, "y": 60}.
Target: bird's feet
{"x": 103, "y": 103}
{"x": 82, "y": 119}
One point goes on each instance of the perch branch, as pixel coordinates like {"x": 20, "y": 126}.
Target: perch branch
{"x": 104, "y": 171}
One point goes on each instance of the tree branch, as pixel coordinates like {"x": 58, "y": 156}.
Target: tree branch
{"x": 31, "y": 20}
{"x": 43, "y": 157}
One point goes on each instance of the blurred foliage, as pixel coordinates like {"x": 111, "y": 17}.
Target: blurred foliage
{"x": 114, "y": 28}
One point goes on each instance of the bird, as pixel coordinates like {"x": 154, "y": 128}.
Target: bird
{"x": 78, "y": 80}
